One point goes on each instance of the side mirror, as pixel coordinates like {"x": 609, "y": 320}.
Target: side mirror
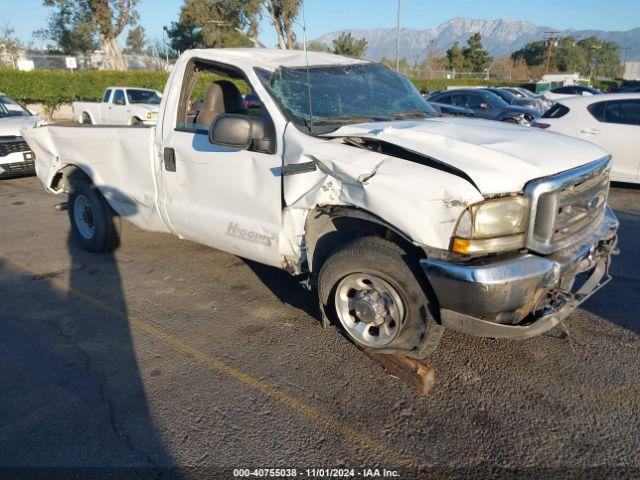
{"x": 241, "y": 132}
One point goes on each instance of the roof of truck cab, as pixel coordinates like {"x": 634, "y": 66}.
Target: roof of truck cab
{"x": 270, "y": 58}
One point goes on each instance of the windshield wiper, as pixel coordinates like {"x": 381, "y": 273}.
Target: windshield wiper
{"x": 410, "y": 114}
{"x": 348, "y": 119}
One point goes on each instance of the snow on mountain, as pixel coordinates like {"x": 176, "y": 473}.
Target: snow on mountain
{"x": 500, "y": 37}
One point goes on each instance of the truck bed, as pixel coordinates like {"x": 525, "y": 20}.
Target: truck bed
{"x": 118, "y": 159}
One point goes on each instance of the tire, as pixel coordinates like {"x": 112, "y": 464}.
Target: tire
{"x": 511, "y": 120}
{"x": 371, "y": 280}
{"x": 136, "y": 121}
{"x": 92, "y": 218}
{"x": 86, "y": 119}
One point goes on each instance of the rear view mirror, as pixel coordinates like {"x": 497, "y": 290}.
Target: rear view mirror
{"x": 240, "y": 131}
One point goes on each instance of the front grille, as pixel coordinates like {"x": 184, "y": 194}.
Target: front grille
{"x": 567, "y": 207}
{"x": 7, "y": 148}
{"x": 21, "y": 168}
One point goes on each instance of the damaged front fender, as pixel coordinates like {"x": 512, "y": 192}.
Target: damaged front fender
{"x": 420, "y": 202}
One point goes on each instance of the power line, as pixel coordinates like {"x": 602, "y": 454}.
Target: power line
{"x": 552, "y": 41}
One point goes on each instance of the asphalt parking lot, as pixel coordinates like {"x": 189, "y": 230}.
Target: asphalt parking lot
{"x": 175, "y": 360}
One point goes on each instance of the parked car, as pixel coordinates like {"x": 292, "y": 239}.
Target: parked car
{"x": 539, "y": 102}
{"x": 576, "y": 90}
{"x": 569, "y": 91}
{"x": 485, "y": 104}
{"x": 452, "y": 111}
{"x": 16, "y": 158}
{"x": 120, "y": 106}
{"x": 513, "y": 99}
{"x": 631, "y": 89}
{"x": 611, "y": 121}
{"x": 407, "y": 222}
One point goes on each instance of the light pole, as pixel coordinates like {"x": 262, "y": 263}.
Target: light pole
{"x": 398, "y": 40}
{"x": 624, "y": 61}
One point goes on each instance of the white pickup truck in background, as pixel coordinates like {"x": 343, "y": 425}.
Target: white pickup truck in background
{"x": 120, "y": 106}
{"x": 343, "y": 175}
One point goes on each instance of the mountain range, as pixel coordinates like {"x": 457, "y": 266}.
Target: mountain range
{"x": 500, "y": 37}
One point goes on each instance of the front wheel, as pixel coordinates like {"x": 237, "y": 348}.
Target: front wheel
{"x": 92, "y": 218}
{"x": 377, "y": 293}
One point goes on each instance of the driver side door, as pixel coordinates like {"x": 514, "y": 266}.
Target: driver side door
{"x": 226, "y": 198}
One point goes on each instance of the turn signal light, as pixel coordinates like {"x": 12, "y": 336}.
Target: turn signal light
{"x": 461, "y": 245}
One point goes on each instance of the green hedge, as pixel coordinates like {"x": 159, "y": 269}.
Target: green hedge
{"x": 55, "y": 87}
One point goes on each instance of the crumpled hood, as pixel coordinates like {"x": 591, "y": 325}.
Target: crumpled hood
{"x": 11, "y": 126}
{"x": 499, "y": 157}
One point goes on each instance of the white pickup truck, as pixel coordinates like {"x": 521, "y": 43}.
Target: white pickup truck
{"x": 406, "y": 222}
{"x": 120, "y": 106}
{"x": 16, "y": 158}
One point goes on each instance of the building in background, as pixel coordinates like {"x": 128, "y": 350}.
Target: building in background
{"x": 632, "y": 71}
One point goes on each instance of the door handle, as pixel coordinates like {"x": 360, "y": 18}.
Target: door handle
{"x": 590, "y": 131}
{"x": 169, "y": 159}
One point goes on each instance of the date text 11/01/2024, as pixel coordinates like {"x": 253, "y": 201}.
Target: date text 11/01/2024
{"x": 315, "y": 473}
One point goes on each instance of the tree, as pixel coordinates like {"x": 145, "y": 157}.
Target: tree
{"x": 70, "y": 29}
{"x": 105, "y": 18}
{"x": 283, "y": 13}
{"x": 589, "y": 56}
{"x": 348, "y": 45}
{"x": 435, "y": 62}
{"x": 215, "y": 24}
{"x": 316, "y": 46}
{"x": 455, "y": 57}
{"x": 476, "y": 58}
{"x": 9, "y": 47}
{"x": 603, "y": 57}
{"x": 136, "y": 41}
{"x": 533, "y": 53}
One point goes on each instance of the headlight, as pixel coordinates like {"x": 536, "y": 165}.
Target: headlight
{"x": 149, "y": 116}
{"x": 492, "y": 226}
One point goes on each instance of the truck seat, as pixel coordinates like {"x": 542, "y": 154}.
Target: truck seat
{"x": 222, "y": 97}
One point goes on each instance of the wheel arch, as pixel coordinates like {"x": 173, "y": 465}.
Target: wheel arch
{"x": 88, "y": 114}
{"x": 328, "y": 227}
{"x": 61, "y": 179}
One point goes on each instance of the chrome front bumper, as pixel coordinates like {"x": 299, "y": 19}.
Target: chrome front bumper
{"x": 524, "y": 295}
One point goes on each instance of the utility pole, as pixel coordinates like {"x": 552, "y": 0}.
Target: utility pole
{"x": 398, "y": 40}
{"x": 551, "y": 40}
{"x": 624, "y": 62}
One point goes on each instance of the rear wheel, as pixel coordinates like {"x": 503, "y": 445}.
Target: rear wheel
{"x": 86, "y": 119}
{"x": 376, "y": 292}
{"x": 92, "y": 218}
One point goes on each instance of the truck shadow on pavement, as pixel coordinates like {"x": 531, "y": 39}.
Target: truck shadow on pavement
{"x": 613, "y": 303}
{"x": 286, "y": 288}
{"x": 73, "y": 402}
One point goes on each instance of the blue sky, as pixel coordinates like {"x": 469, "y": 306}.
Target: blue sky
{"x": 322, "y": 16}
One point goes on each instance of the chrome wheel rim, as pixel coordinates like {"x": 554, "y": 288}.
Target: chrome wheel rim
{"x": 83, "y": 216}
{"x": 370, "y": 309}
